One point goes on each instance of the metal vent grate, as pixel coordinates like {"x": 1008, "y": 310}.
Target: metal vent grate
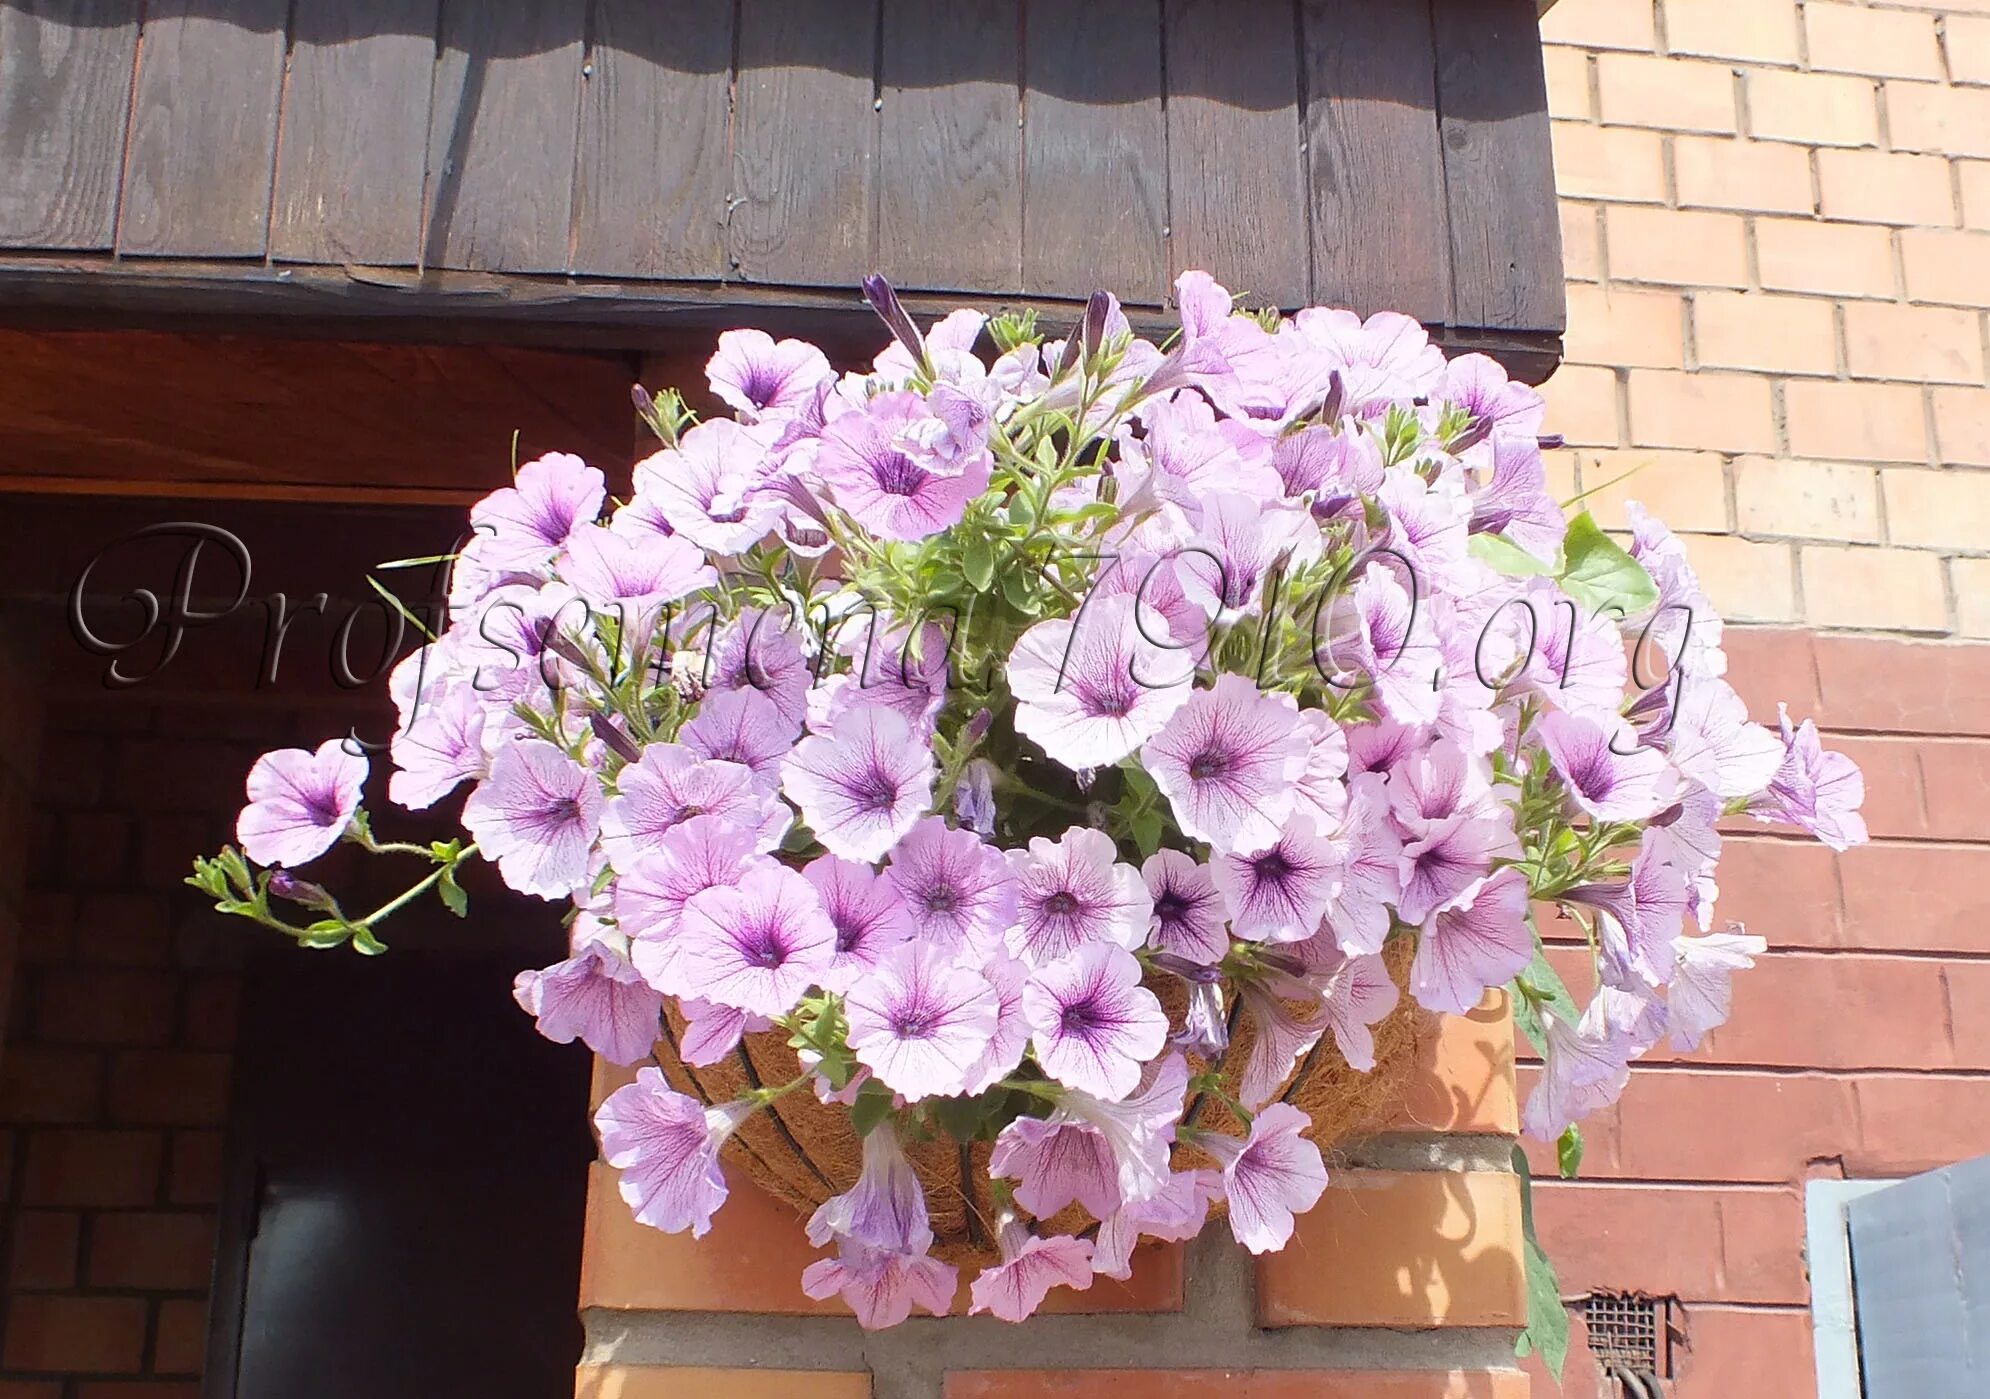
{"x": 1630, "y": 1331}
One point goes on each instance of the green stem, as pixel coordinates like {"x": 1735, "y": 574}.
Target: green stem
{"x": 409, "y": 895}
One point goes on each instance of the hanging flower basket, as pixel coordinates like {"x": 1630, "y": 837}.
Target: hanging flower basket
{"x": 1015, "y": 802}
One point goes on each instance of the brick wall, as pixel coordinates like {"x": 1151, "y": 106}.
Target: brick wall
{"x": 1776, "y": 219}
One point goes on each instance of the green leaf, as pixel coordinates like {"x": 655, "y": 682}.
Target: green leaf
{"x": 1540, "y": 985}
{"x": 873, "y": 1105}
{"x": 1017, "y": 592}
{"x": 452, "y": 895}
{"x": 1147, "y": 831}
{"x": 1568, "y": 1152}
{"x": 1547, "y": 1319}
{"x": 1599, "y": 574}
{"x": 1502, "y": 555}
{"x": 978, "y": 563}
{"x": 364, "y": 943}
{"x": 962, "y": 1117}
{"x": 327, "y": 932}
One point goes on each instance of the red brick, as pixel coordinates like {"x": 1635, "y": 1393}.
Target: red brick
{"x": 1732, "y": 1352}
{"x": 1947, "y": 884}
{"x": 213, "y": 1009}
{"x": 171, "y": 1088}
{"x": 1771, "y": 664}
{"x": 44, "y": 1251}
{"x": 106, "y": 1007}
{"x": 29, "y": 1389}
{"x": 105, "y": 1335}
{"x": 1969, "y": 1011}
{"x": 1894, "y": 804}
{"x": 196, "y": 1168}
{"x": 1903, "y": 686}
{"x": 159, "y": 1252}
{"x": 1955, "y": 774}
{"x": 50, "y": 1085}
{"x": 93, "y": 1168}
{"x": 1768, "y": 1126}
{"x": 1738, "y": 1245}
{"x": 46, "y": 921}
{"x": 1918, "y": 1122}
{"x": 125, "y": 930}
{"x": 96, "y": 849}
{"x": 1786, "y": 890}
{"x": 180, "y": 1347}
{"x": 1230, "y": 1384}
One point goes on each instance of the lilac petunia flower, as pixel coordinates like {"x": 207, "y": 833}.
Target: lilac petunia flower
{"x": 526, "y": 523}
{"x": 1700, "y": 993}
{"x": 1388, "y": 356}
{"x": 1480, "y": 942}
{"x": 862, "y": 785}
{"x": 1643, "y": 914}
{"x": 1031, "y": 1265}
{"x": 1091, "y": 689}
{"x": 630, "y": 577}
{"x": 881, "y": 486}
{"x": 1093, "y": 1024}
{"x": 1587, "y": 1067}
{"x": 957, "y": 886}
{"x": 594, "y": 996}
{"x": 1357, "y": 995}
{"x": 300, "y": 803}
{"x": 1073, "y": 891}
{"x": 1385, "y": 636}
{"x": 1819, "y": 791}
{"x": 885, "y": 1209}
{"x": 921, "y": 1023}
{"x": 1442, "y": 868}
{"x": 1239, "y": 542}
{"x": 1270, "y": 1177}
{"x": 709, "y": 487}
{"x": 1005, "y": 1049}
{"x": 1498, "y": 407}
{"x": 761, "y": 649}
{"x": 1709, "y": 738}
{"x": 1280, "y": 893}
{"x": 756, "y": 946}
{"x": 666, "y": 1146}
{"x": 889, "y": 667}
{"x": 1174, "y": 1213}
{"x": 1608, "y": 774}
{"x": 1320, "y": 795}
{"x": 1099, "y": 1154}
{"x": 672, "y": 784}
{"x": 537, "y": 815}
{"x": 438, "y": 748}
{"x": 763, "y": 379}
{"x": 866, "y": 910}
{"x": 1517, "y": 503}
{"x": 1371, "y": 859}
{"x": 880, "y": 1285}
{"x": 1229, "y": 761}
{"x": 712, "y": 1031}
{"x": 702, "y": 853}
{"x": 1189, "y": 913}
{"x": 741, "y": 726}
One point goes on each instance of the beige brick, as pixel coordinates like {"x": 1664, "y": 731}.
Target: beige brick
{"x": 1762, "y": 30}
{"x": 1688, "y": 490}
{"x": 1932, "y": 343}
{"x": 1838, "y": 259}
{"x": 1568, "y": 82}
{"x": 1676, "y": 94}
{"x": 1945, "y": 264}
{"x": 1768, "y": 176}
{"x": 1894, "y": 589}
{"x": 1812, "y": 109}
{"x": 1974, "y": 177}
{"x": 1582, "y": 405}
{"x": 1746, "y": 581}
{"x": 1582, "y": 242}
{"x": 1881, "y": 43}
{"x": 1968, "y": 42}
{"x": 1627, "y": 24}
{"x": 1757, "y": 330}
{"x": 1962, "y": 426}
{"x": 1970, "y": 581}
{"x": 1560, "y": 465}
{"x": 1674, "y": 245}
{"x": 1702, "y": 411}
{"x": 1625, "y": 326}
{"x": 1885, "y": 187}
{"x": 1858, "y": 422}
{"x": 1806, "y": 499}
{"x": 1931, "y": 117}
{"x": 1608, "y": 162}
{"x": 1948, "y": 509}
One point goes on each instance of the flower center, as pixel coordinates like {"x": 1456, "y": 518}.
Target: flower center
{"x": 324, "y": 808}
{"x": 876, "y": 790}
{"x": 1272, "y": 867}
{"x": 941, "y": 900}
{"x": 1079, "y": 1019}
{"x": 1209, "y": 763}
{"x": 1062, "y": 904}
{"x": 561, "y": 810}
{"x": 1171, "y": 908}
{"x": 898, "y": 474}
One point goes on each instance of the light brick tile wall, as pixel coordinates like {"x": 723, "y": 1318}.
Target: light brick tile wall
{"x": 1777, "y": 216}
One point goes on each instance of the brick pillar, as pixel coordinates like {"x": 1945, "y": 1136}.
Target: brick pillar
{"x": 1405, "y": 1282}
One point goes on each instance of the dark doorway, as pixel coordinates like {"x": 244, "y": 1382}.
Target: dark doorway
{"x": 407, "y": 1186}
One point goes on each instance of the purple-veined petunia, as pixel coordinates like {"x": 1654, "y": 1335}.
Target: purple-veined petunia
{"x": 709, "y": 487}
{"x": 920, "y": 1022}
{"x": 862, "y": 785}
{"x": 702, "y": 853}
{"x": 1189, "y": 913}
{"x": 1092, "y": 688}
{"x": 755, "y": 946}
{"x": 670, "y": 785}
{"x": 885, "y": 1209}
{"x": 741, "y": 726}
{"x": 1609, "y": 774}
{"x": 1371, "y": 870}
{"x": 1280, "y": 893}
{"x": 597, "y": 997}
{"x": 1444, "y": 865}
{"x": 1229, "y": 762}
{"x": 1700, "y": 995}
{"x": 666, "y": 1146}
{"x": 537, "y": 815}
{"x": 1643, "y": 914}
{"x": 881, "y": 1285}
{"x": 1092, "y": 1023}
{"x": 1073, "y": 891}
{"x": 300, "y": 802}
{"x": 1814, "y": 789}
{"x": 713, "y": 1031}
{"x": 1270, "y": 1177}
{"x": 957, "y": 886}
{"x": 1099, "y": 1154}
{"x": 526, "y": 523}
{"x": 1031, "y": 1265}
{"x": 1006, "y": 977}
{"x": 1709, "y": 738}
{"x": 1174, "y": 1213}
{"x": 1516, "y": 501}
{"x": 881, "y": 485}
{"x": 1480, "y": 942}
{"x": 761, "y": 649}
{"x": 867, "y": 911}
{"x": 630, "y": 577}
{"x": 764, "y": 379}
{"x": 1588, "y": 1067}
{"x": 439, "y": 747}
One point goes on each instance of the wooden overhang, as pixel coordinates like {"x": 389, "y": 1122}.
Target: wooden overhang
{"x": 635, "y": 174}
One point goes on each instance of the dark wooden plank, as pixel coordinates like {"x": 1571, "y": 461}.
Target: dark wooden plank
{"x": 65, "y": 96}
{"x": 354, "y": 133}
{"x": 1236, "y": 174}
{"x": 950, "y": 209}
{"x": 203, "y": 129}
{"x": 1380, "y": 239}
{"x": 805, "y": 142}
{"x": 1506, "y": 248}
{"x": 502, "y": 133}
{"x": 650, "y": 193}
{"x": 1094, "y": 150}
